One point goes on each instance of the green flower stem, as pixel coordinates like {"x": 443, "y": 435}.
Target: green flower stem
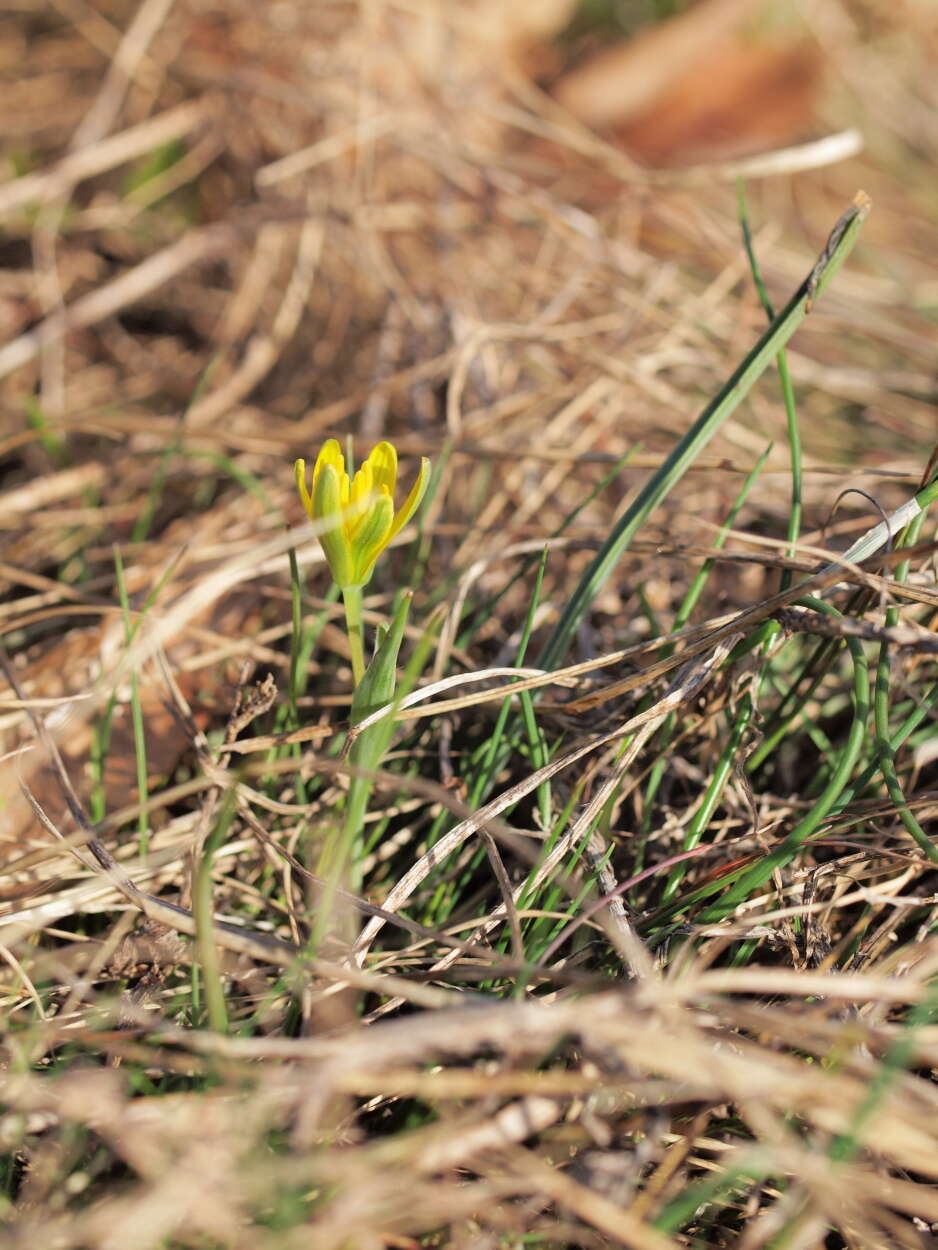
{"x": 352, "y": 596}
{"x": 340, "y": 862}
{"x": 333, "y": 870}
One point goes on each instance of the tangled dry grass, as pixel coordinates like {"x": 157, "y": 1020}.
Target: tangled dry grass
{"x": 231, "y": 231}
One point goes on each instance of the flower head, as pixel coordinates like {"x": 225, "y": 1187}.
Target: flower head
{"x": 357, "y": 514}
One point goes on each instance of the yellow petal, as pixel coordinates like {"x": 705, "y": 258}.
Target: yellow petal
{"x": 331, "y": 454}
{"x": 412, "y": 502}
{"x": 361, "y": 501}
{"x": 363, "y": 485}
{"x": 299, "y": 470}
{"x": 383, "y": 462}
{"x": 356, "y": 514}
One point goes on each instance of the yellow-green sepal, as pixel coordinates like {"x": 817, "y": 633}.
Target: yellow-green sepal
{"x": 412, "y": 502}
{"x": 327, "y": 510}
{"x": 371, "y": 537}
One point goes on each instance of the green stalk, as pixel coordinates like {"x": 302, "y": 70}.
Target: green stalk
{"x": 203, "y": 910}
{"x": 792, "y": 703}
{"x": 101, "y": 740}
{"x": 788, "y": 396}
{"x": 756, "y": 875}
{"x": 297, "y": 682}
{"x": 681, "y": 617}
{"x": 136, "y": 712}
{"x": 884, "y": 751}
{"x": 922, "y": 710}
{"x": 352, "y": 597}
{"x": 341, "y": 858}
{"x": 865, "y": 546}
{"x": 712, "y": 796}
{"x": 898, "y": 1058}
{"x": 536, "y": 742}
{"x": 296, "y": 640}
{"x": 747, "y": 878}
{"x": 724, "y": 1185}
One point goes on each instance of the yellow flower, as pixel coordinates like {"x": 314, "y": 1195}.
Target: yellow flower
{"x": 357, "y": 516}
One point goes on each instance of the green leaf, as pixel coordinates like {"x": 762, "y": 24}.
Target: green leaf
{"x": 376, "y": 688}
{"x": 727, "y": 399}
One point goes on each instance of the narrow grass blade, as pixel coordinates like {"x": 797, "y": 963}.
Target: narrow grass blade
{"x": 788, "y": 393}
{"x": 136, "y": 711}
{"x": 760, "y": 872}
{"x": 203, "y": 909}
{"x": 724, "y": 403}
{"x": 882, "y": 689}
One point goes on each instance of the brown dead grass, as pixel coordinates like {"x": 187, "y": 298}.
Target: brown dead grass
{"x": 373, "y": 222}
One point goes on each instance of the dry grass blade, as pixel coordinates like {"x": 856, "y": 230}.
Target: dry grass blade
{"x": 522, "y": 1019}
{"x": 195, "y": 248}
{"x": 90, "y": 161}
